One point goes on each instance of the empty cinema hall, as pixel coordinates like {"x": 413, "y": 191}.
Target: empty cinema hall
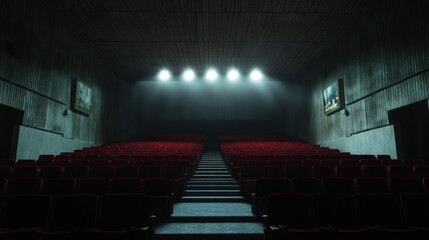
{"x": 214, "y": 119}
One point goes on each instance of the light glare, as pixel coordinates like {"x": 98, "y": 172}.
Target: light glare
{"x": 233, "y": 75}
{"x": 212, "y": 75}
{"x": 164, "y": 75}
{"x": 189, "y": 75}
{"x": 256, "y": 75}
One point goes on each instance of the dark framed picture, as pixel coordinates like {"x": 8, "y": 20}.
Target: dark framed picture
{"x": 81, "y": 97}
{"x": 333, "y": 97}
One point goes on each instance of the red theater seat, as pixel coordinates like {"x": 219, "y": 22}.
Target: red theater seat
{"x": 336, "y": 216}
{"x": 372, "y": 185}
{"x": 22, "y": 215}
{"x": 58, "y": 186}
{"x": 51, "y": 172}
{"x": 290, "y": 216}
{"x": 72, "y": 216}
{"x": 264, "y": 187}
{"x": 338, "y": 185}
{"x": 306, "y": 185}
{"x": 382, "y": 213}
{"x": 24, "y": 186}
{"x": 406, "y": 185}
{"x": 94, "y": 186}
{"x": 125, "y": 216}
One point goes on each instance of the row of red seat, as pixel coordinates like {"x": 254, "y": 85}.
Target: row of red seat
{"x": 235, "y": 166}
{"x": 112, "y": 216}
{"x": 303, "y": 157}
{"x": 323, "y": 171}
{"x": 342, "y": 216}
{"x": 267, "y": 186}
{"x": 95, "y": 186}
{"x": 95, "y": 172}
{"x": 97, "y": 162}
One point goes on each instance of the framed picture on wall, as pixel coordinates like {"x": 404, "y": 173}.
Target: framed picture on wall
{"x": 333, "y": 97}
{"x": 81, "y": 97}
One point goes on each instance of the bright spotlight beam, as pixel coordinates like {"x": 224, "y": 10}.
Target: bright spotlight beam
{"x": 233, "y": 75}
{"x": 256, "y": 75}
{"x": 212, "y": 75}
{"x": 189, "y": 75}
{"x": 164, "y": 75}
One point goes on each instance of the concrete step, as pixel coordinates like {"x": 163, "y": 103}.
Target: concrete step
{"x": 219, "y": 181}
{"x": 209, "y": 231}
{"x": 212, "y": 193}
{"x": 198, "y": 171}
{"x": 213, "y": 219}
{"x": 211, "y": 176}
{"x": 211, "y": 162}
{"x": 211, "y": 168}
{"x": 212, "y": 187}
{"x": 211, "y": 199}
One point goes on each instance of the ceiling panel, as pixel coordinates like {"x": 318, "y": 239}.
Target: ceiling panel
{"x": 136, "y": 38}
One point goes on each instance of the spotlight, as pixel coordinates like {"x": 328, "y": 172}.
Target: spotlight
{"x": 233, "y": 75}
{"x": 189, "y": 75}
{"x": 212, "y": 75}
{"x": 256, "y": 75}
{"x": 164, "y": 75}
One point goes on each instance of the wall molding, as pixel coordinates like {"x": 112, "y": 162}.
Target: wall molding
{"x": 32, "y": 91}
{"x": 45, "y": 130}
{"x": 387, "y": 87}
{"x": 368, "y": 129}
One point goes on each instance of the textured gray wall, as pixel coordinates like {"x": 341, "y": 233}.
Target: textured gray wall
{"x": 39, "y": 60}
{"x": 384, "y": 62}
{"x": 201, "y": 104}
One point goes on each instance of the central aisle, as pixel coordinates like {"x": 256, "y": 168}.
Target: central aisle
{"x": 212, "y": 206}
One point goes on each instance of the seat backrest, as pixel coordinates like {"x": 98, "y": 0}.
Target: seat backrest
{"x": 372, "y": 185}
{"x": 348, "y": 171}
{"x": 24, "y": 186}
{"x": 51, "y": 172}
{"x": 274, "y": 172}
{"x": 416, "y": 208}
{"x": 127, "y": 172}
{"x": 406, "y": 185}
{"x": 267, "y": 186}
{"x": 126, "y": 185}
{"x": 297, "y": 172}
{"x": 174, "y": 172}
{"x": 95, "y": 186}
{"x": 25, "y": 163}
{"x": 101, "y": 172}
{"x": 374, "y": 171}
{"x": 252, "y": 172}
{"x": 5, "y": 171}
{"x": 157, "y": 187}
{"x": 150, "y": 172}
{"x": 122, "y": 211}
{"x": 69, "y": 212}
{"x": 400, "y": 171}
{"x": 291, "y": 210}
{"x": 383, "y": 209}
{"x": 336, "y": 210}
{"x": 323, "y": 171}
{"x": 421, "y": 171}
{"x": 58, "y": 186}
{"x": 306, "y": 185}
{"x": 25, "y": 211}
{"x": 25, "y": 172}
{"x": 75, "y": 172}
{"x": 338, "y": 185}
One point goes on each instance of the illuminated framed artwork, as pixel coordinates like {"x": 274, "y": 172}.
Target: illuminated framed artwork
{"x": 81, "y": 97}
{"x": 333, "y": 97}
